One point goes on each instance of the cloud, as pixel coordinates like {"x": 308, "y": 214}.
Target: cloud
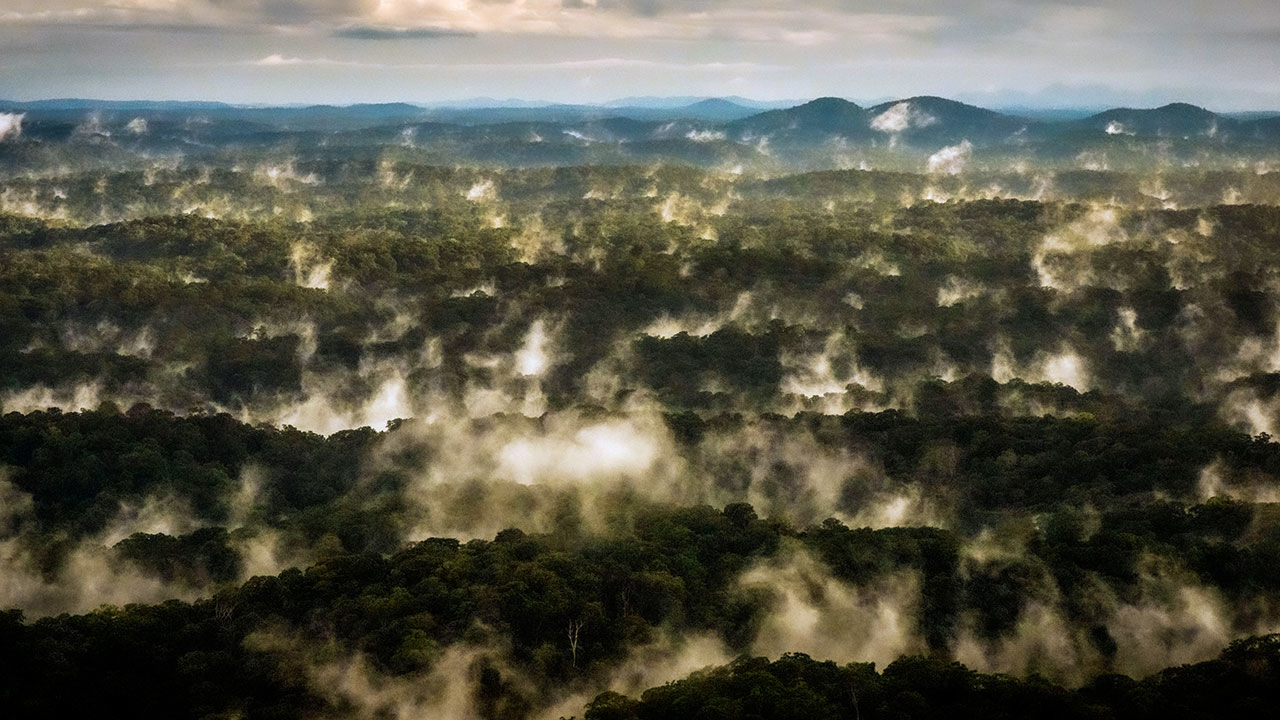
{"x": 908, "y": 47}
{"x": 372, "y": 32}
{"x": 951, "y": 160}
{"x": 750, "y": 20}
{"x": 755, "y": 21}
{"x": 900, "y": 118}
{"x": 814, "y": 613}
{"x": 278, "y": 60}
{"x": 10, "y": 125}
{"x": 604, "y": 63}
{"x": 287, "y": 12}
{"x": 614, "y": 63}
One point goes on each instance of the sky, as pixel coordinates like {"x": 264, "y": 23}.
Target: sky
{"x": 1034, "y": 53}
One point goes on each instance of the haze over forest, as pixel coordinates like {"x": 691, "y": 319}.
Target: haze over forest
{"x": 757, "y": 360}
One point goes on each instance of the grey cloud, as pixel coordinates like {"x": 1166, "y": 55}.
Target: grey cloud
{"x": 298, "y": 8}
{"x": 1125, "y": 52}
{"x": 162, "y": 28}
{"x": 238, "y": 14}
{"x": 644, "y": 8}
{"x": 371, "y": 32}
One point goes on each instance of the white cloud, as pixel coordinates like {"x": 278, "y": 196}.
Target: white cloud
{"x": 758, "y": 21}
{"x": 10, "y": 125}
{"x": 604, "y": 63}
{"x": 61, "y": 48}
{"x": 278, "y": 59}
{"x": 951, "y": 160}
{"x": 900, "y": 118}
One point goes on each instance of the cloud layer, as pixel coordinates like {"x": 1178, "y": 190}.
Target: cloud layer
{"x": 853, "y": 48}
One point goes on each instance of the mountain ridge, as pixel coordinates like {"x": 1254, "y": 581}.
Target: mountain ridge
{"x": 909, "y": 133}
{"x": 821, "y": 110}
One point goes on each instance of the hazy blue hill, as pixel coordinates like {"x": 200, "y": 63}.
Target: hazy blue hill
{"x": 618, "y": 129}
{"x": 682, "y": 101}
{"x": 395, "y": 133}
{"x": 329, "y": 117}
{"x": 932, "y": 120}
{"x": 140, "y": 130}
{"x": 921, "y": 121}
{"x": 816, "y": 119}
{"x": 1172, "y": 120}
{"x": 712, "y": 111}
{"x": 716, "y": 131}
{"x": 48, "y": 128}
{"x": 367, "y": 110}
{"x": 497, "y": 115}
{"x": 947, "y": 110}
{"x": 1046, "y": 114}
{"x": 82, "y": 104}
{"x": 1264, "y": 128}
{"x": 716, "y": 109}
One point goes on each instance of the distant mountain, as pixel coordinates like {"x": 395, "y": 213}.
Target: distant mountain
{"x": 718, "y": 109}
{"x": 815, "y": 120}
{"x": 334, "y": 117}
{"x": 670, "y": 103}
{"x": 925, "y": 121}
{"x": 390, "y": 109}
{"x": 80, "y": 104}
{"x": 476, "y": 103}
{"x": 928, "y": 120}
{"x": 1046, "y": 114}
{"x": 1172, "y": 120}
{"x": 1251, "y": 115}
{"x": 709, "y": 132}
{"x": 1267, "y": 128}
{"x": 571, "y": 114}
{"x": 711, "y": 110}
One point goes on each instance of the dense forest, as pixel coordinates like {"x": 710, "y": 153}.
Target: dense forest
{"x": 326, "y": 423}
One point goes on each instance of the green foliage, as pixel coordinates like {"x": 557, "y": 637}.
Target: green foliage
{"x": 826, "y": 281}
{"x": 80, "y": 467}
{"x": 1241, "y": 682}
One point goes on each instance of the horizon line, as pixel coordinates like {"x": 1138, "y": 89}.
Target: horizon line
{"x": 645, "y": 101}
